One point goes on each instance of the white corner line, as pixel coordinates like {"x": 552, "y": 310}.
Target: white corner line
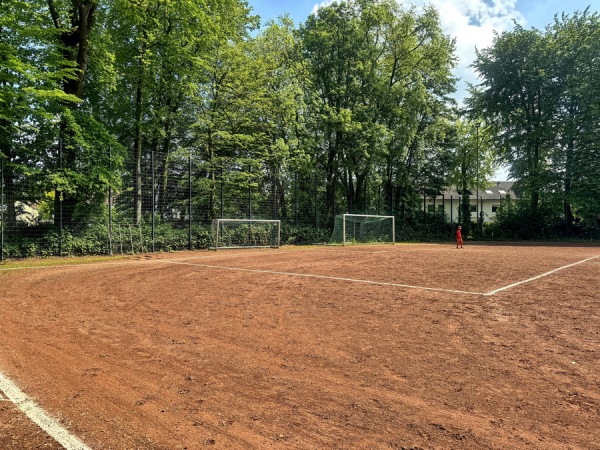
{"x": 510, "y": 286}
{"x": 30, "y": 408}
{"x": 324, "y": 277}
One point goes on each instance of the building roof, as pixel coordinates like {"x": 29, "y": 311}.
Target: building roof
{"x": 498, "y": 190}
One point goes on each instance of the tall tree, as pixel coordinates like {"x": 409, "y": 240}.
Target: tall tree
{"x": 538, "y": 94}
{"x": 31, "y": 71}
{"x": 472, "y": 164}
{"x": 416, "y": 106}
{"x": 517, "y": 98}
{"x": 73, "y": 22}
{"x": 162, "y": 53}
{"x": 282, "y": 113}
{"x": 380, "y": 75}
{"x": 576, "y": 155}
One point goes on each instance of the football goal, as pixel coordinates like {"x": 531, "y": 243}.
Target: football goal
{"x": 362, "y": 228}
{"x": 125, "y": 238}
{"x": 245, "y": 233}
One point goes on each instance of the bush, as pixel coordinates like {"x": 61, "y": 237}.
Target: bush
{"x": 518, "y": 222}
{"x": 303, "y": 235}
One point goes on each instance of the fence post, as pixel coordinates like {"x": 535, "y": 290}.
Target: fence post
{"x": 60, "y": 201}
{"x": 296, "y": 197}
{"x": 110, "y": 251}
{"x": 249, "y": 195}
{"x": 334, "y": 181}
{"x": 153, "y": 198}
{"x": 315, "y": 202}
{"x": 1, "y": 207}
{"x": 275, "y": 199}
{"x": 443, "y": 208}
{"x": 221, "y": 214}
{"x": 480, "y": 218}
{"x": 249, "y": 205}
{"x": 366, "y": 196}
{"x": 190, "y": 199}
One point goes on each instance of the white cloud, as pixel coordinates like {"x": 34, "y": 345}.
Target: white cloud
{"x": 321, "y": 5}
{"x": 472, "y": 23}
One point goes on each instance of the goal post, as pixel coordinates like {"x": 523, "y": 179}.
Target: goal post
{"x": 363, "y": 228}
{"x": 125, "y": 238}
{"x": 246, "y": 233}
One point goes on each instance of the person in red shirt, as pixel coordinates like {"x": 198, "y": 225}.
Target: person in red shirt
{"x": 459, "y": 238}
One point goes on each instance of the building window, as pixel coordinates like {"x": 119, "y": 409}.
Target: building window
{"x": 430, "y": 208}
{"x": 473, "y": 208}
{"x": 495, "y": 208}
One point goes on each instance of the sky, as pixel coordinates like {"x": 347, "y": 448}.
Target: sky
{"x": 471, "y": 22}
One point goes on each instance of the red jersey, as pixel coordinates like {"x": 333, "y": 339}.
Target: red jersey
{"x": 458, "y": 235}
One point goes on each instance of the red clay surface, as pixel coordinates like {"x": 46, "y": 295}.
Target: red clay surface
{"x": 215, "y": 350}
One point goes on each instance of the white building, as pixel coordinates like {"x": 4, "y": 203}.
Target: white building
{"x": 448, "y": 202}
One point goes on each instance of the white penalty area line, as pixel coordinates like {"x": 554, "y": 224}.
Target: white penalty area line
{"x": 529, "y": 280}
{"x": 323, "y": 277}
{"x": 30, "y": 408}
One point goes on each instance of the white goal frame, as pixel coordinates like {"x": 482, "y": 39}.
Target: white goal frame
{"x": 217, "y": 232}
{"x": 366, "y": 216}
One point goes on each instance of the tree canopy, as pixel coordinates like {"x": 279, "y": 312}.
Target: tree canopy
{"x": 538, "y": 94}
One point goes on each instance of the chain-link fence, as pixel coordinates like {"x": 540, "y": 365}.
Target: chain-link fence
{"x": 164, "y": 203}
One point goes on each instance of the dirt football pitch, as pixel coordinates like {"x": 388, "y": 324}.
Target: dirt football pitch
{"x": 406, "y": 346}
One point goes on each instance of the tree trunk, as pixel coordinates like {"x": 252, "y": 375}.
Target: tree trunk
{"x": 331, "y": 180}
{"x": 75, "y": 39}
{"x": 568, "y": 186}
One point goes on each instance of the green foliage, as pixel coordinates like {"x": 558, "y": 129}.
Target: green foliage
{"x": 303, "y": 235}
{"x": 428, "y": 229}
{"x": 540, "y": 98}
{"x": 377, "y": 78}
{"x": 129, "y": 239}
{"x": 517, "y": 221}
{"x": 47, "y": 241}
{"x": 167, "y": 238}
{"x": 20, "y": 248}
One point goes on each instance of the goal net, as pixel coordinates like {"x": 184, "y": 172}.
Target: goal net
{"x": 125, "y": 238}
{"x": 245, "y": 233}
{"x": 358, "y": 228}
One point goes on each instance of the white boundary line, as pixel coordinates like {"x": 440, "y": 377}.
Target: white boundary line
{"x": 382, "y": 283}
{"x": 510, "y": 286}
{"x": 325, "y": 277}
{"x": 30, "y": 408}
{"x": 352, "y": 280}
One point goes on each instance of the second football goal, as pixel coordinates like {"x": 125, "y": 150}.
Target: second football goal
{"x": 245, "y": 233}
{"x": 363, "y": 228}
